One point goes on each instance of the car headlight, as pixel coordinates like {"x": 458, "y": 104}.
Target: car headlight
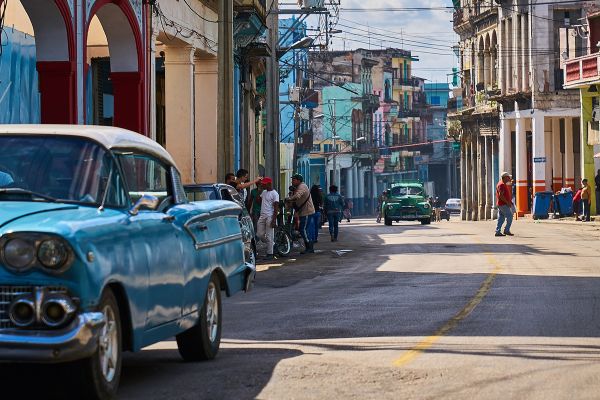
{"x": 21, "y": 251}
{"x": 426, "y": 206}
{"x": 19, "y": 254}
{"x": 52, "y": 254}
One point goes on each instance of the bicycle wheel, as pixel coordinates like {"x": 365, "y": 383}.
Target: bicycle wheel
{"x": 283, "y": 243}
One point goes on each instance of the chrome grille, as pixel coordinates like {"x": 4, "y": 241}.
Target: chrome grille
{"x": 9, "y": 293}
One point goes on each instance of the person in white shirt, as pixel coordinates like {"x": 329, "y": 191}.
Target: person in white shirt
{"x": 269, "y": 209}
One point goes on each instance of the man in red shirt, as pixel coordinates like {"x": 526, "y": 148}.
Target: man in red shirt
{"x": 504, "y": 203}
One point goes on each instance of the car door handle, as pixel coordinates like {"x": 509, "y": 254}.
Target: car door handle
{"x": 168, "y": 218}
{"x": 202, "y": 227}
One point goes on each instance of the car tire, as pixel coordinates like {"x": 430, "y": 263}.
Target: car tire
{"x": 100, "y": 373}
{"x": 388, "y": 221}
{"x": 202, "y": 341}
{"x": 283, "y": 243}
{"x": 426, "y": 221}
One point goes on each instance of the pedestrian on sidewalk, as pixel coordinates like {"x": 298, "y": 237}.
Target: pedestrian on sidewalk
{"x": 303, "y": 205}
{"x": 504, "y": 203}
{"x": 315, "y": 219}
{"x": 253, "y": 204}
{"x": 586, "y": 198}
{"x": 597, "y": 182}
{"x": 334, "y": 203}
{"x": 269, "y": 209}
{"x": 437, "y": 209}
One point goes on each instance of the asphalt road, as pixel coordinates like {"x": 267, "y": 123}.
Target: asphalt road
{"x": 446, "y": 311}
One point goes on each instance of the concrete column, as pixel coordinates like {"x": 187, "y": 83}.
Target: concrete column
{"x": 521, "y": 173}
{"x": 349, "y": 192}
{"x": 539, "y": 152}
{"x": 179, "y": 108}
{"x": 225, "y": 93}
{"x": 524, "y": 53}
{"x": 501, "y": 56}
{"x": 152, "y": 85}
{"x": 505, "y": 146}
{"x": 557, "y": 157}
{"x": 468, "y": 179}
{"x": 495, "y": 176}
{"x": 489, "y": 178}
{"x": 355, "y": 181}
{"x": 361, "y": 190}
{"x": 569, "y": 167}
{"x": 474, "y": 188}
{"x": 481, "y": 179}
{"x": 517, "y": 51}
{"x": 548, "y": 152}
{"x": 463, "y": 180}
{"x": 487, "y": 70}
{"x": 206, "y": 84}
{"x": 510, "y": 34}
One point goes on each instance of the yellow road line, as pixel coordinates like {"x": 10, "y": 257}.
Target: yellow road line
{"x": 455, "y": 320}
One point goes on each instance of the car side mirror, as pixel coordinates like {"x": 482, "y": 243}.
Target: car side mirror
{"x": 147, "y": 201}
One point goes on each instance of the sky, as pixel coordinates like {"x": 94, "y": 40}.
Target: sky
{"x": 427, "y": 33}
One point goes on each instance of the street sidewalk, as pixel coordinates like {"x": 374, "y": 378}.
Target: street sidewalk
{"x": 563, "y": 221}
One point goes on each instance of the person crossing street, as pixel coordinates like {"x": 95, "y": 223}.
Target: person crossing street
{"x": 504, "y": 203}
{"x": 334, "y": 203}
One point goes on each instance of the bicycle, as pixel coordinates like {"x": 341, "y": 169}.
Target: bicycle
{"x": 286, "y": 236}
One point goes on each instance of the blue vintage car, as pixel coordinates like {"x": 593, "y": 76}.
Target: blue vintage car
{"x": 101, "y": 252}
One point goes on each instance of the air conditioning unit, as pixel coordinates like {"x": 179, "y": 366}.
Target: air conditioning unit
{"x": 596, "y": 114}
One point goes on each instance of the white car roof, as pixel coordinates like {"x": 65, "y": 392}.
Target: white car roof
{"x": 110, "y": 137}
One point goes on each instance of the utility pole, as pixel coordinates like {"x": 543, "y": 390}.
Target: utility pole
{"x": 225, "y": 85}
{"x": 272, "y": 133}
{"x": 334, "y": 137}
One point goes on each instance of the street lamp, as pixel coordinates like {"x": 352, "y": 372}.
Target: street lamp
{"x": 303, "y": 43}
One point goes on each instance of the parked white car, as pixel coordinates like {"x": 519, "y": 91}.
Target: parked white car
{"x": 453, "y": 206}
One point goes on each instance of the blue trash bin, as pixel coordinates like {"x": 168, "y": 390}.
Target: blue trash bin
{"x": 541, "y": 205}
{"x": 564, "y": 204}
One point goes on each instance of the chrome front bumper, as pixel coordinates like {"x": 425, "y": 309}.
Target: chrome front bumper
{"x": 79, "y": 340}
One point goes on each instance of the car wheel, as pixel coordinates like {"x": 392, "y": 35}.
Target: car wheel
{"x": 388, "y": 221}
{"x": 426, "y": 221}
{"x": 283, "y": 243}
{"x": 100, "y": 374}
{"x": 202, "y": 341}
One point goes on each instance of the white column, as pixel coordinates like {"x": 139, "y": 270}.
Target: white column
{"x": 495, "y": 177}
{"x": 481, "y": 177}
{"x": 548, "y": 151}
{"x": 521, "y": 162}
{"x": 569, "y": 167}
{"x": 152, "y": 85}
{"x": 474, "y": 186}
{"x": 489, "y": 176}
{"x": 524, "y": 55}
{"x": 469, "y": 180}
{"x": 361, "y": 183}
{"x": 179, "y": 107}
{"x": 206, "y": 119}
{"x": 557, "y": 157}
{"x": 505, "y": 146}
{"x": 349, "y": 193}
{"x": 517, "y": 51}
{"x": 539, "y": 152}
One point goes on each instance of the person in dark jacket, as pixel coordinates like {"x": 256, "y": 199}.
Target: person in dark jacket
{"x": 334, "y": 204}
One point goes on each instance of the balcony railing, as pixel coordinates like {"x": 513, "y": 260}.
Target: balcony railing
{"x": 406, "y": 82}
{"x": 582, "y": 70}
{"x": 408, "y": 114}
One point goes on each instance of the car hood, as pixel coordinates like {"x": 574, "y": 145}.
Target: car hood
{"x": 11, "y": 211}
{"x": 407, "y": 200}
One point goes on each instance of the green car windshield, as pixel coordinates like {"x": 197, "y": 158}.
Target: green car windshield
{"x": 66, "y": 169}
{"x": 406, "y": 191}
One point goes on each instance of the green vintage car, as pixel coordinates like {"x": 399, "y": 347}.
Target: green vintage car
{"x": 407, "y": 201}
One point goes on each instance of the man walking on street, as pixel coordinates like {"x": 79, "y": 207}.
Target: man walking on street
{"x": 334, "y": 203}
{"x": 437, "y": 209}
{"x": 269, "y": 209}
{"x": 586, "y": 198}
{"x": 304, "y": 208}
{"x": 504, "y": 203}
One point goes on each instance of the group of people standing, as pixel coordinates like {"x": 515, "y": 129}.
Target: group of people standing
{"x": 308, "y": 205}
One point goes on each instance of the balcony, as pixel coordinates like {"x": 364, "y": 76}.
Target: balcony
{"x": 582, "y": 71}
{"x": 408, "y": 83}
{"x": 408, "y": 114}
{"x": 258, "y": 7}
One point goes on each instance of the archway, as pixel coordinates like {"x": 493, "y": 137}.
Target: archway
{"x": 494, "y": 53}
{"x": 126, "y": 65}
{"x": 52, "y": 25}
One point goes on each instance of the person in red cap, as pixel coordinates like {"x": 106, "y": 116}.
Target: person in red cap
{"x": 269, "y": 209}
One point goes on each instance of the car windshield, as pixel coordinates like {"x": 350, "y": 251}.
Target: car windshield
{"x": 54, "y": 168}
{"x": 405, "y": 190}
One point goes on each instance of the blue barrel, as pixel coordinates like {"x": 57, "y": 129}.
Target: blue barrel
{"x": 541, "y": 205}
{"x": 564, "y": 204}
